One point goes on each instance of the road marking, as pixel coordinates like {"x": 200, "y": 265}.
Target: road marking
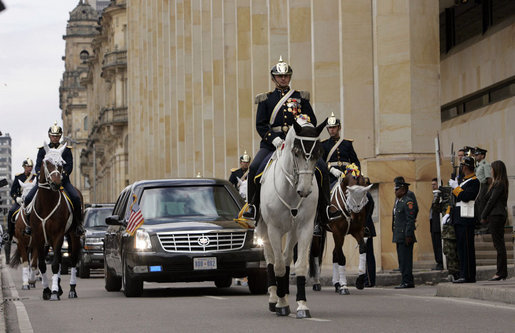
{"x": 24, "y": 324}
{"x": 293, "y": 315}
{"x": 477, "y": 302}
{"x": 215, "y": 297}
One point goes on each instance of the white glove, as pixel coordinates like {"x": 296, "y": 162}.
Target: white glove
{"x": 277, "y": 142}
{"x": 19, "y": 200}
{"x": 445, "y": 219}
{"x": 335, "y": 172}
{"x": 453, "y": 183}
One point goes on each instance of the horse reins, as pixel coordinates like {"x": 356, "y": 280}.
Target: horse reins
{"x": 348, "y": 206}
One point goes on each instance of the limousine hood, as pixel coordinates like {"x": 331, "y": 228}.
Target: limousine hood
{"x": 165, "y": 225}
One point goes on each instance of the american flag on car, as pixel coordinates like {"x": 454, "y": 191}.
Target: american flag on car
{"x": 135, "y": 218}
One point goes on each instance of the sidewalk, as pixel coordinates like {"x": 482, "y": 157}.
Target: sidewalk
{"x": 496, "y": 291}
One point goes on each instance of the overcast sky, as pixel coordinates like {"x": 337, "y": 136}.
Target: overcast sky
{"x": 31, "y": 47}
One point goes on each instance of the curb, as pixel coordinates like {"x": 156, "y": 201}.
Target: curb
{"x": 504, "y": 293}
{"x": 2, "y": 305}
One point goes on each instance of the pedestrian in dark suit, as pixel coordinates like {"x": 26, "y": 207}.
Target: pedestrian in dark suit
{"x": 404, "y": 215}
{"x": 463, "y": 219}
{"x": 494, "y": 213}
{"x": 434, "y": 225}
{"x": 370, "y": 233}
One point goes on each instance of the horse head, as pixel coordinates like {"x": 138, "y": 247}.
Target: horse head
{"x": 25, "y": 188}
{"x": 304, "y": 143}
{"x": 53, "y": 166}
{"x": 355, "y": 190}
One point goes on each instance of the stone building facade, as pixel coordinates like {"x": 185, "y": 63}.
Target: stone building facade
{"x": 194, "y": 68}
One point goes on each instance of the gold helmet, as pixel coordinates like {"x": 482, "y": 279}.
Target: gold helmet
{"x": 332, "y": 121}
{"x": 281, "y": 68}
{"x": 55, "y": 129}
{"x": 245, "y": 157}
{"x": 28, "y": 162}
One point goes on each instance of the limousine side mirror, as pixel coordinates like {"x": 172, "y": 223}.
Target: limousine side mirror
{"x": 113, "y": 220}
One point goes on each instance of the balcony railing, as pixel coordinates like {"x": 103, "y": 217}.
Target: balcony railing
{"x": 114, "y": 59}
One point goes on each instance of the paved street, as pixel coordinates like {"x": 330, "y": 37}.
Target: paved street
{"x": 197, "y": 307}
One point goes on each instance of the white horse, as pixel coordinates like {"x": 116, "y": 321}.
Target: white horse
{"x": 242, "y": 188}
{"x": 289, "y": 196}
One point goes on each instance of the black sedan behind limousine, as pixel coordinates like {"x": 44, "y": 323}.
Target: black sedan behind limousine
{"x": 188, "y": 235}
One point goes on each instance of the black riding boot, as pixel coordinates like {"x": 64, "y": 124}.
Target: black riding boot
{"x": 326, "y": 211}
{"x": 77, "y": 216}
{"x": 253, "y": 209}
{"x": 7, "y": 250}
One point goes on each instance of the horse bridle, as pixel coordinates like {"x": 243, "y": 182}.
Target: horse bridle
{"x": 48, "y": 175}
{"x": 349, "y": 204}
{"x": 293, "y": 179}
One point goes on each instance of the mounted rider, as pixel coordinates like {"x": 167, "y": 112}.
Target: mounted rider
{"x": 276, "y": 112}
{"x": 338, "y": 152}
{"x": 54, "y": 133}
{"x": 241, "y": 172}
{"x": 27, "y": 176}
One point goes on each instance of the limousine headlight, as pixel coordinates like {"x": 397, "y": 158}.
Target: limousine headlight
{"x": 142, "y": 240}
{"x": 258, "y": 241}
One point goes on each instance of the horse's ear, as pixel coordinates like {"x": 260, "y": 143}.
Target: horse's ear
{"x": 297, "y": 127}
{"x": 45, "y": 145}
{"x": 21, "y": 183}
{"x": 369, "y": 187}
{"x": 239, "y": 180}
{"x": 321, "y": 127}
{"x": 62, "y": 149}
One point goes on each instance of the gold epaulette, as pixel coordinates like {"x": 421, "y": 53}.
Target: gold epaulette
{"x": 351, "y": 140}
{"x": 234, "y": 169}
{"x": 304, "y": 94}
{"x": 41, "y": 147}
{"x": 16, "y": 175}
{"x": 261, "y": 98}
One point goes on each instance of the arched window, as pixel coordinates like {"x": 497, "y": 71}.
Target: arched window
{"x": 84, "y": 55}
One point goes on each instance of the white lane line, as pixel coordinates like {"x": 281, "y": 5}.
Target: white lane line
{"x": 293, "y": 315}
{"x": 24, "y": 324}
{"x": 215, "y": 297}
{"x": 477, "y": 302}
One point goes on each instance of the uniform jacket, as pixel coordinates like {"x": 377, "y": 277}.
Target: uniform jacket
{"x": 67, "y": 157}
{"x": 285, "y": 117}
{"x": 370, "y": 210}
{"x": 344, "y": 153}
{"x": 464, "y": 193}
{"x": 235, "y": 174}
{"x": 483, "y": 171}
{"x": 16, "y": 187}
{"x": 496, "y": 201}
{"x": 404, "y": 217}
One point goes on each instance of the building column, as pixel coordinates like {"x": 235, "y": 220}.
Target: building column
{"x": 406, "y": 61}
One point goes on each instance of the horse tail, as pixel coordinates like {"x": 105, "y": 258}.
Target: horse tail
{"x": 15, "y": 259}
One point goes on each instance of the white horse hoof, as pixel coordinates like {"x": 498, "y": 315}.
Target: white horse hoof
{"x": 271, "y": 307}
{"x": 344, "y": 291}
{"x": 317, "y": 287}
{"x": 285, "y": 311}
{"x": 25, "y": 287}
{"x": 301, "y": 314}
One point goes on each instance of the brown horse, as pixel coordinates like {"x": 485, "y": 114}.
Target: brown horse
{"x": 51, "y": 220}
{"x": 350, "y": 196}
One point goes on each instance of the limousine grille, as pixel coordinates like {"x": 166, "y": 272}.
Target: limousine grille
{"x": 202, "y": 242}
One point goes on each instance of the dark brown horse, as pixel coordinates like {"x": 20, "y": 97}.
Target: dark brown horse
{"x": 24, "y": 252}
{"x": 51, "y": 219}
{"x": 350, "y": 196}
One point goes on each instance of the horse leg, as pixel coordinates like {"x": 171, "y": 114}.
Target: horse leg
{"x": 56, "y": 272}
{"x": 25, "y": 276}
{"x": 360, "y": 281}
{"x": 32, "y": 277}
{"x": 339, "y": 261}
{"x": 75, "y": 242}
{"x": 314, "y": 262}
{"x": 282, "y": 276}
{"x": 44, "y": 279}
{"x": 301, "y": 268}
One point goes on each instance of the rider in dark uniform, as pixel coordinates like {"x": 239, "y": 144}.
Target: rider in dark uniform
{"x": 338, "y": 152}
{"x": 25, "y": 177}
{"x": 276, "y": 112}
{"x": 54, "y": 133}
{"x": 242, "y": 171}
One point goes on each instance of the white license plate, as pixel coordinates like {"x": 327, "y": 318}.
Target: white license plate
{"x": 204, "y": 263}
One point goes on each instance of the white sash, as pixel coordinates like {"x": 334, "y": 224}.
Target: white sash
{"x": 331, "y": 152}
{"x": 279, "y": 104}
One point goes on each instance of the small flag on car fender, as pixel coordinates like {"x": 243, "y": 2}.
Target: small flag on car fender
{"x": 135, "y": 218}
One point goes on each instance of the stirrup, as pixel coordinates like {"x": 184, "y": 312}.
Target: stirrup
{"x": 250, "y": 213}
